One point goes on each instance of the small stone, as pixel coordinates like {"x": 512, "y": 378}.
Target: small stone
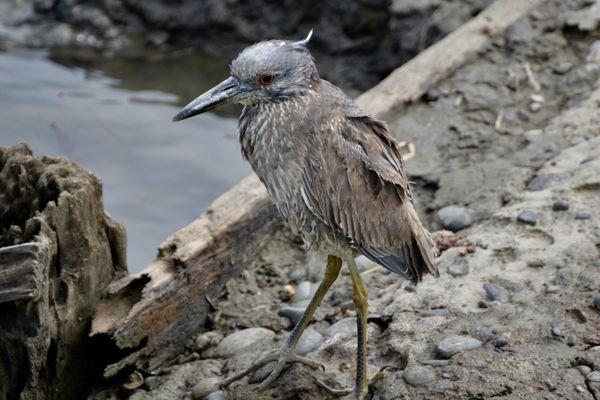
{"x": 418, "y": 376}
{"x": 496, "y": 293}
{"x": 593, "y": 376}
{"x": 436, "y": 363}
{"x": 455, "y": 344}
{"x": 596, "y": 303}
{"x": 410, "y": 287}
{"x": 583, "y": 215}
{"x": 218, "y": 395}
{"x": 431, "y": 95}
{"x": 552, "y": 289}
{"x": 551, "y": 148}
{"x": 527, "y": 217}
{"x": 134, "y": 381}
{"x": 310, "y": 340}
{"x": 205, "y": 387}
{"x": 562, "y": 68}
{"x": 304, "y": 291}
{"x": 207, "y": 339}
{"x": 535, "y": 107}
{"x": 571, "y": 340}
{"x": 454, "y": 218}
{"x": 292, "y": 313}
{"x": 583, "y": 369}
{"x": 535, "y": 263}
{"x": 546, "y": 181}
{"x": 344, "y": 326}
{"x": 152, "y": 382}
{"x": 501, "y": 342}
{"x": 460, "y": 268}
{"x": 241, "y": 341}
{"x": 483, "y": 304}
{"x": 556, "y": 331}
{"x": 560, "y": 205}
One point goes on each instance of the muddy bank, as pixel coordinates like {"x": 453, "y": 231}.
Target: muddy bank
{"x": 356, "y": 43}
{"x": 511, "y": 139}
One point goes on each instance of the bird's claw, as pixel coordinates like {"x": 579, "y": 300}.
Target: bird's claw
{"x": 282, "y": 358}
{"x": 359, "y": 393}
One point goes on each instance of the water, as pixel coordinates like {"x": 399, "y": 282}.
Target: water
{"x": 113, "y": 117}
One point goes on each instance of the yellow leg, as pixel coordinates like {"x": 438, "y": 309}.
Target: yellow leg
{"x": 360, "y": 296}
{"x": 286, "y": 353}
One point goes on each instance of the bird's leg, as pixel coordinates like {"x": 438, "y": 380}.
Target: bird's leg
{"x": 286, "y": 353}
{"x": 360, "y": 297}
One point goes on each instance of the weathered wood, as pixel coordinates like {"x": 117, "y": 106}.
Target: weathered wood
{"x": 61, "y": 252}
{"x": 157, "y": 310}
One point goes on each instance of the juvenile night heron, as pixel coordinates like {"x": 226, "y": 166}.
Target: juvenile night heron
{"x": 335, "y": 173}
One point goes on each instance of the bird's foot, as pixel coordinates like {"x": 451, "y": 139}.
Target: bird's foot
{"x": 281, "y": 358}
{"x": 361, "y": 391}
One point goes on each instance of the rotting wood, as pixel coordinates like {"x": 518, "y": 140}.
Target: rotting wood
{"x": 158, "y": 310}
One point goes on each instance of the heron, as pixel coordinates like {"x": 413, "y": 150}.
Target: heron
{"x": 336, "y": 175}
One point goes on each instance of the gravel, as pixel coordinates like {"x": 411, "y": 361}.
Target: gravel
{"x": 456, "y": 344}
{"x": 527, "y": 217}
{"x": 454, "y": 218}
{"x": 496, "y": 293}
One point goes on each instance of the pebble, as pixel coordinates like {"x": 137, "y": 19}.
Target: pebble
{"x": 436, "y": 363}
{"x": 292, "y": 313}
{"x": 431, "y": 95}
{"x": 461, "y": 268}
{"x": 552, "y": 289}
{"x": 496, "y": 293}
{"x": 152, "y": 382}
{"x": 593, "y": 376}
{"x": 240, "y": 341}
{"x": 546, "y": 181}
{"x": 501, "y": 342}
{"x": 560, "y": 205}
{"x": 207, "y": 339}
{"x": 218, "y": 395}
{"x": 204, "y": 388}
{"x": 535, "y": 107}
{"x": 456, "y": 344}
{"x": 556, "y": 331}
{"x": 536, "y": 263}
{"x": 410, "y": 287}
{"x": 562, "y": 68}
{"x": 583, "y": 369}
{"x": 571, "y": 340}
{"x": 596, "y": 302}
{"x": 583, "y": 215}
{"x": 304, "y": 291}
{"x": 342, "y": 327}
{"x": 454, "y": 218}
{"x": 483, "y": 304}
{"x": 310, "y": 340}
{"x": 551, "y": 148}
{"x": 527, "y": 217}
{"x": 418, "y": 376}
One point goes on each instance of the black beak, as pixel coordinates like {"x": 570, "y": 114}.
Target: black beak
{"x": 221, "y": 94}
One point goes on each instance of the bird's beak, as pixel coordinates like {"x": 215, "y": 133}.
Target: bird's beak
{"x": 221, "y": 94}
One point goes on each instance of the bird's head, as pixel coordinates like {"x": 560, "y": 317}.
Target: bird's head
{"x": 268, "y": 71}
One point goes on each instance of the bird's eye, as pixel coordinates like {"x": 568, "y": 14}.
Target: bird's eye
{"x": 266, "y": 79}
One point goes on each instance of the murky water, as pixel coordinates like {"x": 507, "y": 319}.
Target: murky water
{"x": 114, "y": 118}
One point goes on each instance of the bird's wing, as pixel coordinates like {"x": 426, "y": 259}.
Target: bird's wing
{"x": 354, "y": 181}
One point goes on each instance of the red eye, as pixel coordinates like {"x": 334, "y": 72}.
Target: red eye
{"x": 266, "y": 79}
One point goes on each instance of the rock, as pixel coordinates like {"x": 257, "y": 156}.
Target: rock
{"x": 583, "y": 215}
{"x": 496, "y": 293}
{"x": 456, "y": 344}
{"x": 304, "y": 291}
{"x": 527, "y": 217}
{"x": 562, "y": 68}
{"x": 431, "y": 95}
{"x": 535, "y": 107}
{"x": 482, "y": 304}
{"x": 560, "y": 205}
{"x": 556, "y": 331}
{"x": 460, "y": 268}
{"x": 546, "y": 181}
{"x": 207, "y": 339}
{"x": 344, "y": 326}
{"x": 571, "y": 340}
{"x": 292, "y": 313}
{"x": 418, "y": 376}
{"x": 454, "y": 218}
{"x": 501, "y": 342}
{"x": 536, "y": 263}
{"x": 310, "y": 340}
{"x": 241, "y": 341}
{"x": 218, "y": 395}
{"x": 436, "y": 363}
{"x": 593, "y": 376}
{"x": 205, "y": 387}
{"x": 596, "y": 303}
{"x": 152, "y": 382}
{"x": 410, "y": 287}
{"x": 583, "y": 369}
{"x": 594, "y": 54}
{"x": 551, "y": 289}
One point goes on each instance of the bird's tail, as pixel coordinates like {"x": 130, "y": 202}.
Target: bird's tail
{"x": 420, "y": 251}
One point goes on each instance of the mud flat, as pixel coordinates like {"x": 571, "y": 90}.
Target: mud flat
{"x": 507, "y": 132}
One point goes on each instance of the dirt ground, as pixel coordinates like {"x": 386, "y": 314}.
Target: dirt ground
{"x": 513, "y": 141}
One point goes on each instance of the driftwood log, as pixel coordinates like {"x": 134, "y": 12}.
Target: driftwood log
{"x": 60, "y": 250}
{"x": 154, "y": 313}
